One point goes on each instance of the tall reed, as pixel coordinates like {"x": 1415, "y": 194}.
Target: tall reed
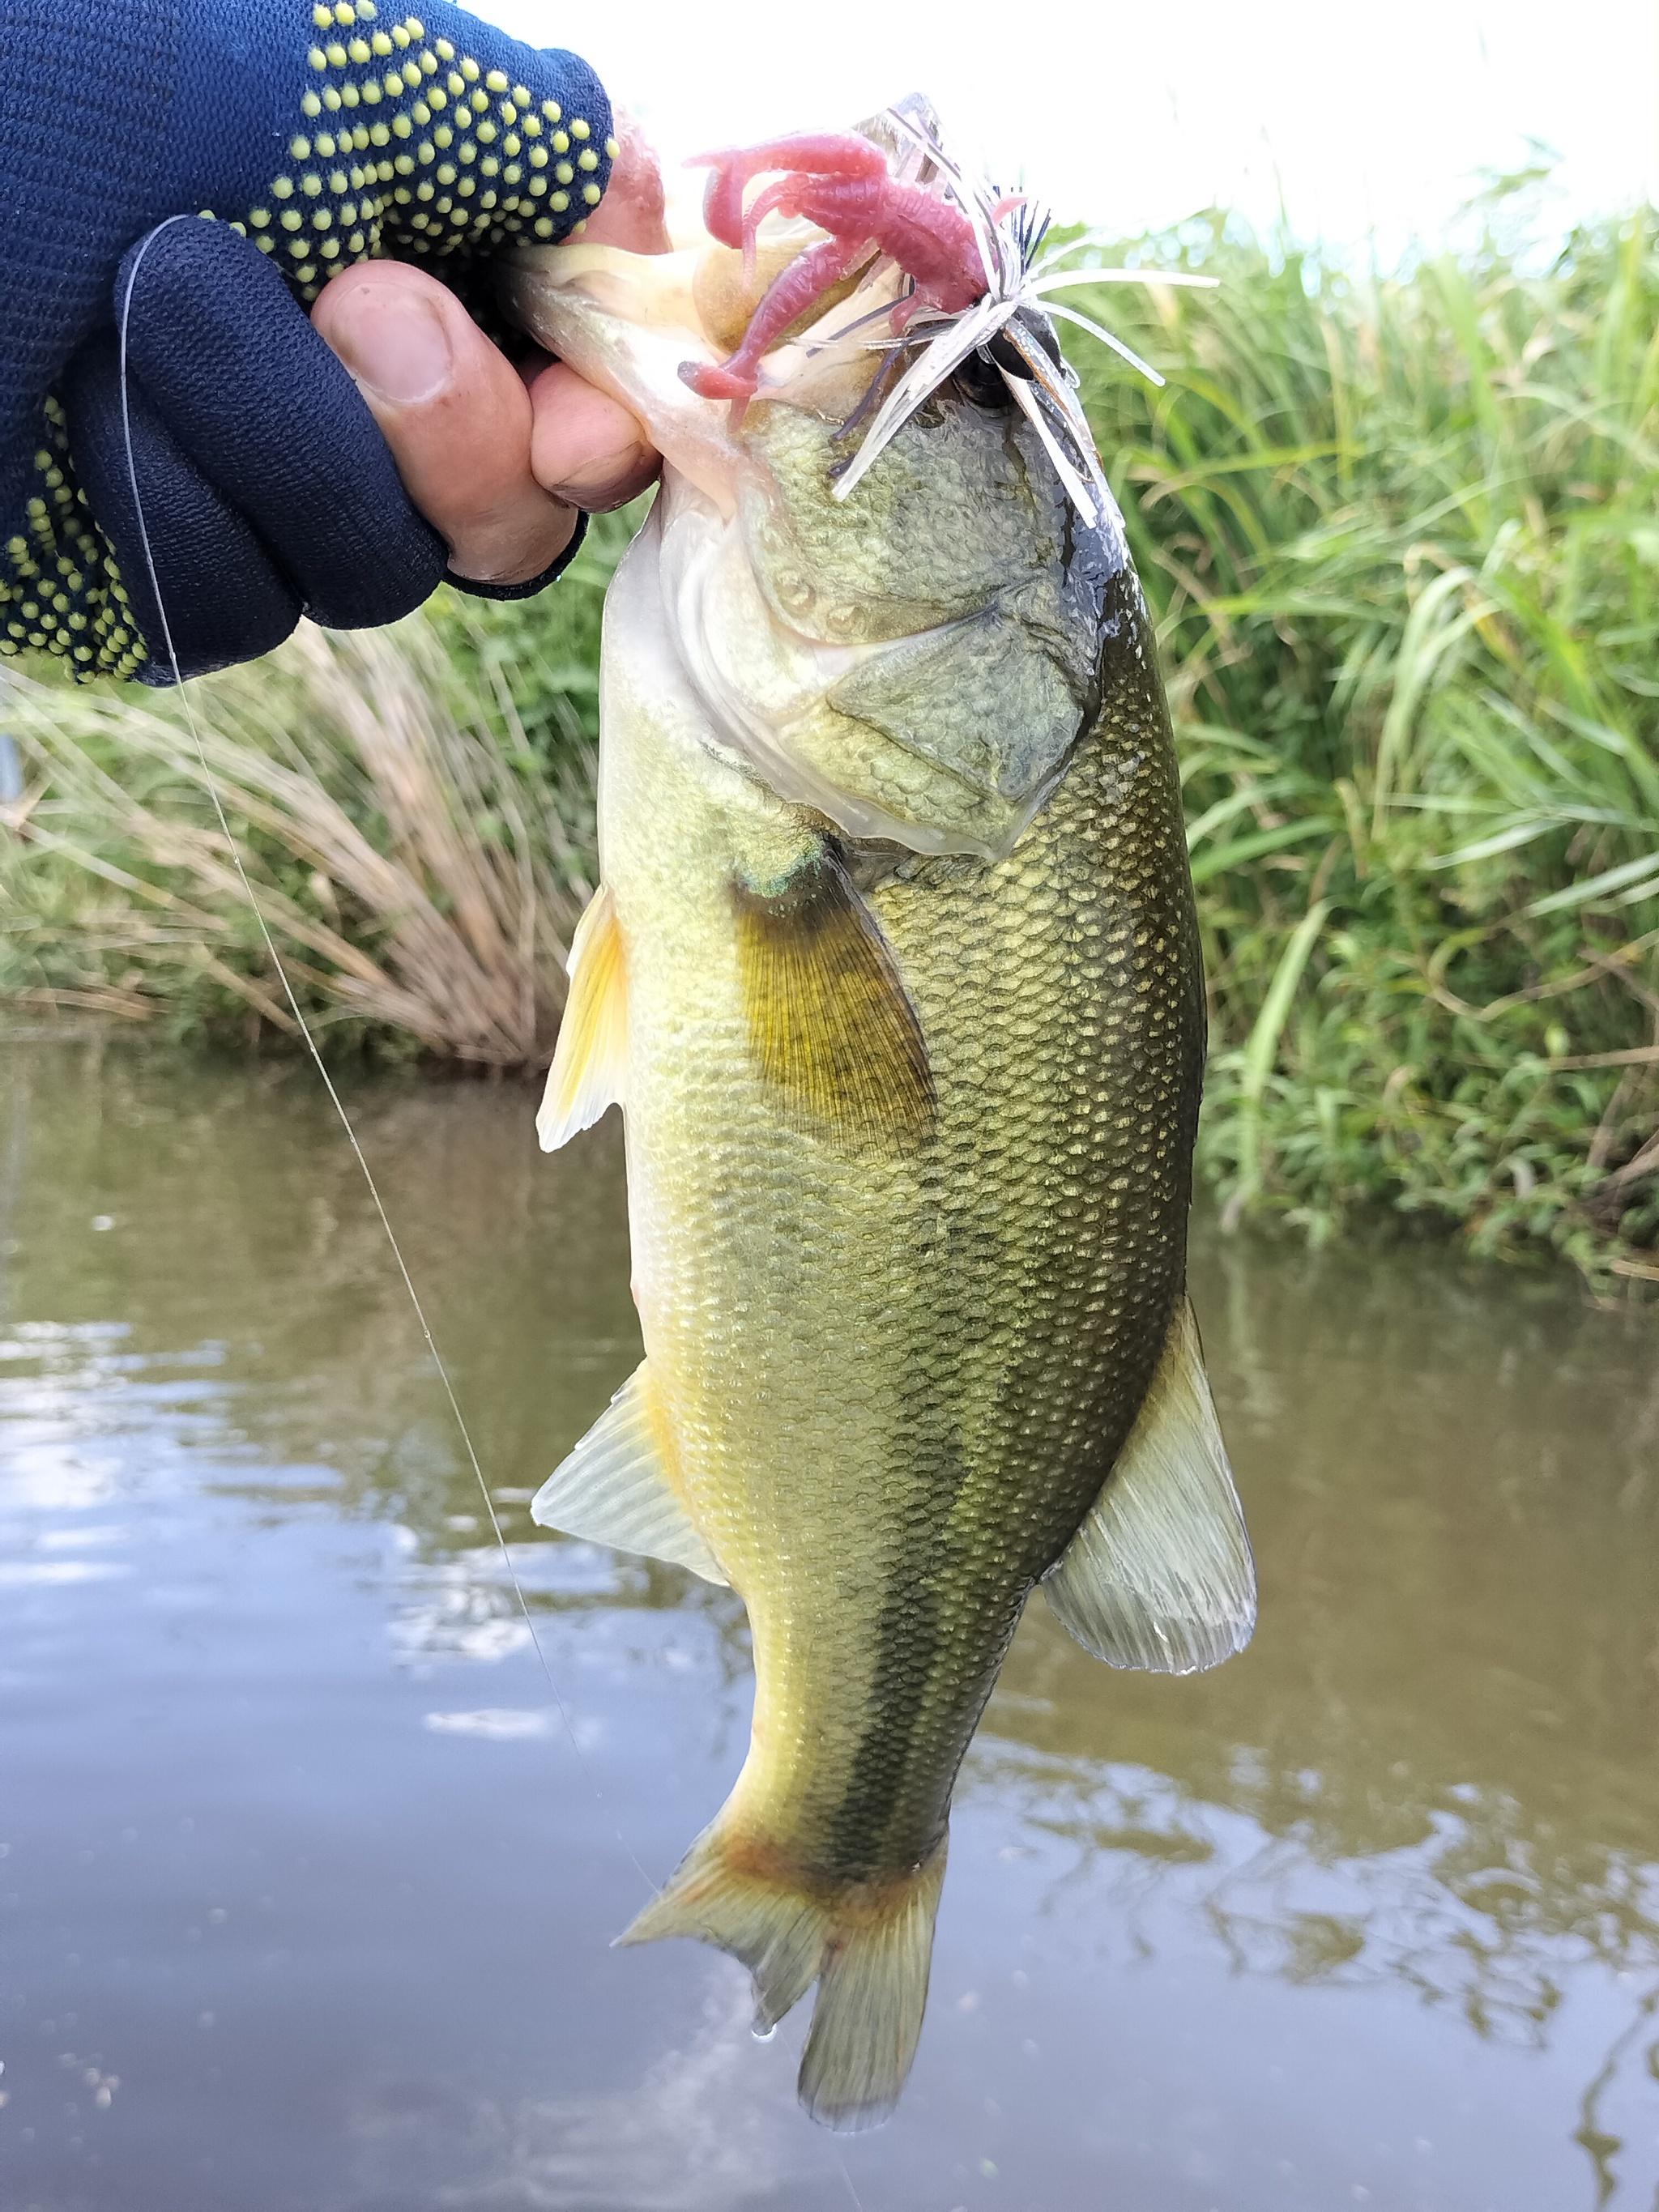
{"x": 416, "y": 886}
{"x": 1401, "y": 538}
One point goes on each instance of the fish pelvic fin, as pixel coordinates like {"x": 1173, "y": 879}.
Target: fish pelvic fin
{"x": 831, "y": 1026}
{"x": 1160, "y": 1576}
{"x": 868, "y": 1945}
{"x": 614, "y": 1488}
{"x": 590, "y": 1061}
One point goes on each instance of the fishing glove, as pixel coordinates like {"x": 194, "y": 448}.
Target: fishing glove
{"x": 293, "y": 139}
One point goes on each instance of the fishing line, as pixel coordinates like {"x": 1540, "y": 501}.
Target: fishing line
{"x": 858, "y": 2201}
{"x": 304, "y": 1028}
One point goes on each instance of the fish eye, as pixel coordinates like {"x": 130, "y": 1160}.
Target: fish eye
{"x": 1006, "y": 355}
{"x": 979, "y": 377}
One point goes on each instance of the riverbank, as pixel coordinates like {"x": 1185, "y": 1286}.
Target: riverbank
{"x": 1399, "y": 537}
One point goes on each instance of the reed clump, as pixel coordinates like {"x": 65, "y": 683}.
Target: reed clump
{"x": 1401, "y": 538}
{"x": 1401, "y": 535}
{"x": 413, "y": 809}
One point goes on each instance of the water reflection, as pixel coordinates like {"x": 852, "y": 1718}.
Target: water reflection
{"x": 1444, "y": 1735}
{"x": 1370, "y": 1915}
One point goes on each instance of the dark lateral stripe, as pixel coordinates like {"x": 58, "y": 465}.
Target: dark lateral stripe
{"x": 912, "y": 1637}
{"x": 907, "y": 1647}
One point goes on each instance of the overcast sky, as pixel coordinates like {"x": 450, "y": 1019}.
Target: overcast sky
{"x": 1373, "y": 119}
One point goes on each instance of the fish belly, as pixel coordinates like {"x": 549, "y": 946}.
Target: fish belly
{"x": 893, "y": 1379}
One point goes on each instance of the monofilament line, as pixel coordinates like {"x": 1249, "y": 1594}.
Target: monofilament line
{"x": 304, "y": 1028}
{"x": 858, "y": 2203}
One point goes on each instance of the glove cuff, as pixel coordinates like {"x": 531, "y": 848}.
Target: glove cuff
{"x": 476, "y": 589}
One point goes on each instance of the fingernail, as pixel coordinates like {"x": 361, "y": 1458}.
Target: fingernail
{"x": 395, "y": 345}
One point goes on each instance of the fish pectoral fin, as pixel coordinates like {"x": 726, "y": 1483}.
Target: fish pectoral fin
{"x": 831, "y": 1024}
{"x": 869, "y": 1946}
{"x": 614, "y": 1489}
{"x": 1160, "y": 1575}
{"x": 590, "y": 1061}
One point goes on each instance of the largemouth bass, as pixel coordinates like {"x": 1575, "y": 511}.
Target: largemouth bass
{"x": 894, "y": 972}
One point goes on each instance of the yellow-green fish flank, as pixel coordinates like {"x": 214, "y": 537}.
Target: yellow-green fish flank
{"x": 896, "y": 974}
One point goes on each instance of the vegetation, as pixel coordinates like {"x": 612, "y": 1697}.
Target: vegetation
{"x": 1401, "y": 538}
{"x": 412, "y": 810}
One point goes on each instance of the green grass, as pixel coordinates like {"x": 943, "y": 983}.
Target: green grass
{"x": 1401, "y": 538}
{"x": 413, "y": 810}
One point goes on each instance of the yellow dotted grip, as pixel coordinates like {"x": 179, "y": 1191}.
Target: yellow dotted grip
{"x": 394, "y": 131}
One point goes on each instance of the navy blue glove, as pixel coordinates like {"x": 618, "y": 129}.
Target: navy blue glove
{"x": 311, "y": 136}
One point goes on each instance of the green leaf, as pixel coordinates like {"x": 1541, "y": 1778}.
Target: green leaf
{"x": 1210, "y": 864}
{"x": 1260, "y": 1052}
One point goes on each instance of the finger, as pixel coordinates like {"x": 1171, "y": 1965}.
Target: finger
{"x": 585, "y": 448}
{"x": 632, "y": 214}
{"x": 454, "y": 412}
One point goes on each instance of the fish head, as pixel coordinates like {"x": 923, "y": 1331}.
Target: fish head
{"x": 913, "y": 648}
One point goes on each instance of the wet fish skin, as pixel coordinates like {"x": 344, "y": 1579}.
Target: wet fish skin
{"x": 961, "y": 557}
{"x": 898, "y": 1377}
{"x": 909, "y": 1133}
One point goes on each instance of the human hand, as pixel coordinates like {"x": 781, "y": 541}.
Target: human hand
{"x": 498, "y": 459}
{"x": 319, "y": 135}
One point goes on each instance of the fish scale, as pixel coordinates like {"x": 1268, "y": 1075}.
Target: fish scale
{"x": 910, "y": 1060}
{"x": 954, "y": 1345}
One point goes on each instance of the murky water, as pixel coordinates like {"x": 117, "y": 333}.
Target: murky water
{"x": 308, "y": 1881}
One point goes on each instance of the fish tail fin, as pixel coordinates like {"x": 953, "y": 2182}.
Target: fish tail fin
{"x": 722, "y": 1894}
{"x": 868, "y": 1945}
{"x": 873, "y": 1992}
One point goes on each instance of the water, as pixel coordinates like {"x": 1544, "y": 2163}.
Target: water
{"x": 309, "y": 1884}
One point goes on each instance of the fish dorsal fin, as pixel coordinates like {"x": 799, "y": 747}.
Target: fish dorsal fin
{"x": 614, "y": 1489}
{"x": 831, "y": 1023}
{"x": 1160, "y": 1575}
{"x": 590, "y": 1062}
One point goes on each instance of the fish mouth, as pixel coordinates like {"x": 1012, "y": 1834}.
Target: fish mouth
{"x": 624, "y": 322}
{"x": 633, "y": 323}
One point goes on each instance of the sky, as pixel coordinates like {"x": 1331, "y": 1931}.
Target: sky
{"x": 1364, "y": 123}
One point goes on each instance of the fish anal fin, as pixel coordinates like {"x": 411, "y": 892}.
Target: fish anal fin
{"x": 590, "y": 1061}
{"x": 1160, "y": 1575}
{"x": 831, "y": 1023}
{"x": 614, "y": 1488}
{"x": 869, "y": 1946}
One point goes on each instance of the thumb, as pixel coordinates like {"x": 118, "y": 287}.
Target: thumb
{"x": 454, "y": 412}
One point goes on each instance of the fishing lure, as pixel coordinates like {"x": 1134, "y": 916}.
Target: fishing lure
{"x": 976, "y": 284}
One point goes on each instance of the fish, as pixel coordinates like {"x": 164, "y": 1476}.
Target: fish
{"x": 894, "y": 971}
